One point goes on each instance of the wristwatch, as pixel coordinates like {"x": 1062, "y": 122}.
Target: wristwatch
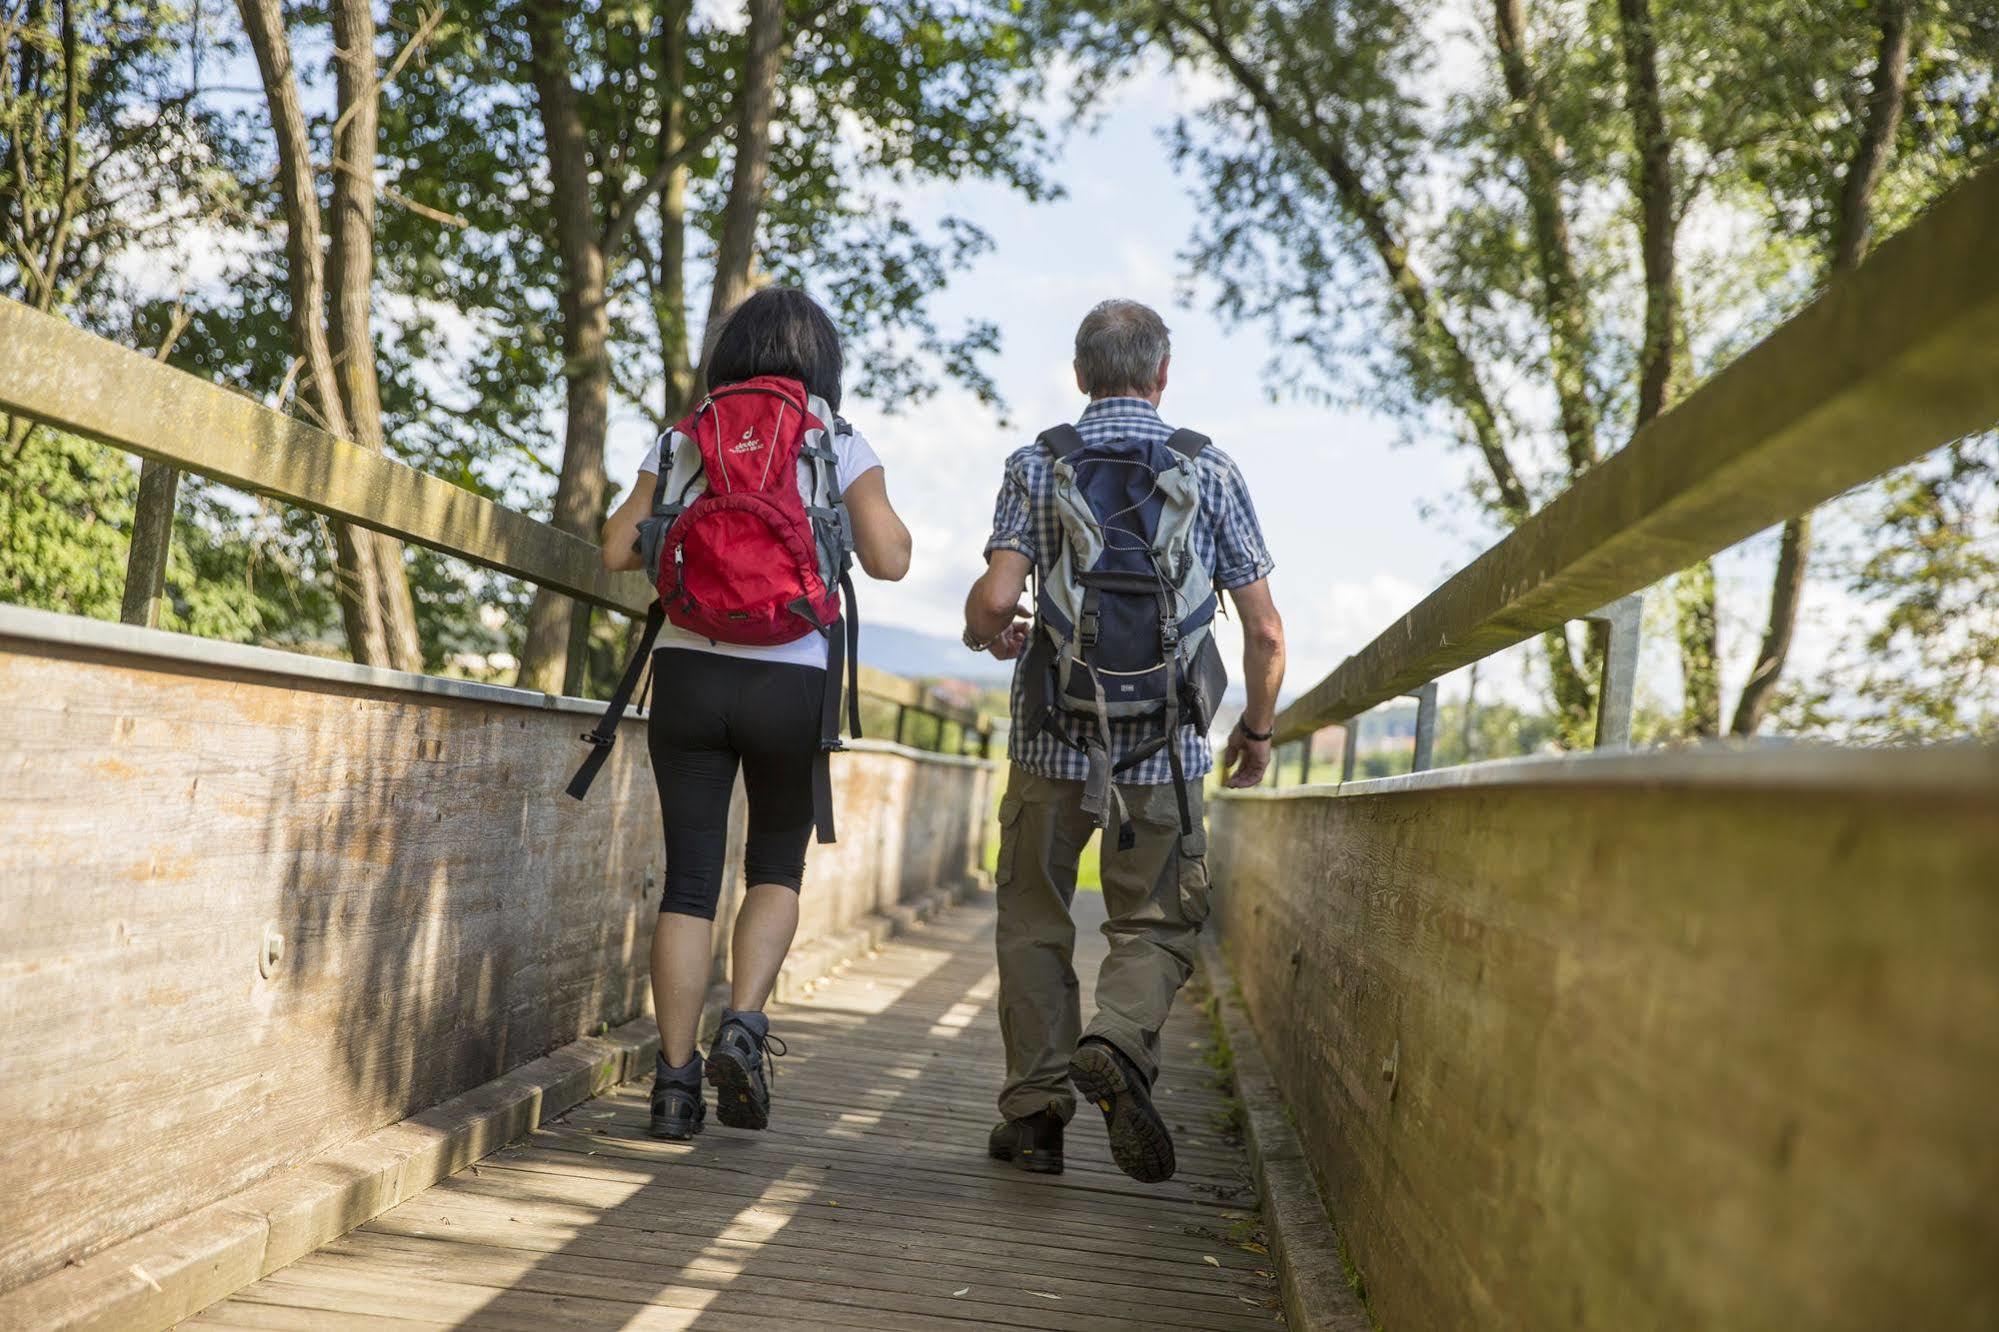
{"x": 1261, "y": 737}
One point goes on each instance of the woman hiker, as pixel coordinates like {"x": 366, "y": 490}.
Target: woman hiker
{"x": 755, "y": 704}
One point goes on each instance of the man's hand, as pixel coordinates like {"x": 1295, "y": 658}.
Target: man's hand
{"x": 1012, "y": 639}
{"x": 1244, "y": 761}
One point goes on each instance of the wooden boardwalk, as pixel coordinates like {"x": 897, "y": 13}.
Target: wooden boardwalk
{"x": 870, "y": 1203}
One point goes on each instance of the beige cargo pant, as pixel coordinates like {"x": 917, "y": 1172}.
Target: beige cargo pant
{"x": 1156, "y": 895}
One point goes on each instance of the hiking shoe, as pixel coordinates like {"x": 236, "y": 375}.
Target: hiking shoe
{"x": 1033, "y": 1143}
{"x": 1140, "y": 1143}
{"x": 678, "y": 1108}
{"x": 739, "y": 1069}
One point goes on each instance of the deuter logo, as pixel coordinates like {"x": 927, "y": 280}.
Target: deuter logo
{"x": 749, "y": 443}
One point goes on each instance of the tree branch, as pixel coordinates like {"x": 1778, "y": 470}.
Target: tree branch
{"x": 418, "y": 40}
{"x": 626, "y": 214}
{"x": 1432, "y": 341}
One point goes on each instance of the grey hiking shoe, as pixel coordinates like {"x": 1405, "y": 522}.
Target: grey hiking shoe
{"x": 1140, "y": 1142}
{"x": 739, "y": 1069}
{"x": 678, "y": 1108}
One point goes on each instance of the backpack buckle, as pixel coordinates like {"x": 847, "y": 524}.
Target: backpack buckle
{"x": 1169, "y": 635}
{"x": 597, "y": 741}
{"x": 1087, "y": 627}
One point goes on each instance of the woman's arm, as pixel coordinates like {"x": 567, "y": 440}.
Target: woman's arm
{"x": 880, "y": 539}
{"x": 621, "y": 530}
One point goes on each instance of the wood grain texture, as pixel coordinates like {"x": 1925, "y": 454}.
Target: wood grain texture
{"x": 1686, "y": 1054}
{"x": 869, "y": 1204}
{"x": 446, "y": 915}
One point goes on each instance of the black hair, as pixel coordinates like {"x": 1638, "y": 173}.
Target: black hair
{"x": 779, "y": 331}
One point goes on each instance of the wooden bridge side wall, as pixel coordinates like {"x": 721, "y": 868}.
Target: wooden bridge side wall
{"x": 1673, "y": 1051}
{"x": 446, "y": 913}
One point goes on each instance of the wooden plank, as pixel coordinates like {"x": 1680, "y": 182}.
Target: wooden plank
{"x": 446, "y": 915}
{"x": 1679, "y": 1053}
{"x": 908, "y": 693}
{"x": 1895, "y": 359}
{"x": 58, "y": 374}
{"x": 912, "y": 1228}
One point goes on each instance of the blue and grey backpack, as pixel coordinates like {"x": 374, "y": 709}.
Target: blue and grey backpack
{"x": 1124, "y": 612}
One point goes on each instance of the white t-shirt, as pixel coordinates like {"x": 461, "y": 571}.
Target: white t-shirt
{"x": 854, "y": 456}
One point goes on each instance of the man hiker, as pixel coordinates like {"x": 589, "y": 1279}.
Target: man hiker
{"x": 1131, "y": 530}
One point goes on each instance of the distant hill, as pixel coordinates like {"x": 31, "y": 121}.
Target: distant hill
{"x": 914, "y": 653}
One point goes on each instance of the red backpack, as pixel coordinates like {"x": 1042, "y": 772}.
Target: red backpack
{"x": 742, "y": 561}
{"x": 749, "y": 543}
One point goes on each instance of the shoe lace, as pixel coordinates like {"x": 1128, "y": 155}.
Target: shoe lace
{"x": 770, "y": 1069}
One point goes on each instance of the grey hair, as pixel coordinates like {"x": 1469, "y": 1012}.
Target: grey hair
{"x": 1119, "y": 345}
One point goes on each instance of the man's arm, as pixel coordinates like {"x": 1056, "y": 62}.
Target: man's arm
{"x": 994, "y": 611}
{"x": 1245, "y": 760}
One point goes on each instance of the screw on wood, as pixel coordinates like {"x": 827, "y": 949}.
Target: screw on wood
{"x": 271, "y": 953}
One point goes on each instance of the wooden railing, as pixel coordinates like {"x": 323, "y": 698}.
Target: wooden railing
{"x": 1894, "y": 359}
{"x": 63, "y": 377}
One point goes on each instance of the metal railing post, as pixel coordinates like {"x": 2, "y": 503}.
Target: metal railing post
{"x": 1426, "y": 727}
{"x": 1305, "y": 761}
{"x": 1619, "y": 685}
{"x": 901, "y": 715}
{"x": 1349, "y": 748}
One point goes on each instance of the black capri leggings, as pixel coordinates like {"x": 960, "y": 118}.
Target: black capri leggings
{"x": 711, "y": 714}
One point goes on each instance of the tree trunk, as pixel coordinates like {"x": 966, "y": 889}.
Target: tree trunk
{"x": 351, "y": 273}
{"x": 1853, "y": 222}
{"x": 735, "y": 250}
{"x": 670, "y": 283}
{"x": 1562, "y": 307}
{"x": 354, "y": 571}
{"x": 586, "y": 329}
{"x": 1657, "y": 217}
{"x": 1694, "y": 598}
{"x": 1434, "y": 351}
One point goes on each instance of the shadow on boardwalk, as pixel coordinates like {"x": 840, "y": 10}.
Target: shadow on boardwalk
{"x": 869, "y": 1204}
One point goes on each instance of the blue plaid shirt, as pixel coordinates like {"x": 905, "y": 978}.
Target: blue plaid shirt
{"x": 1227, "y": 539}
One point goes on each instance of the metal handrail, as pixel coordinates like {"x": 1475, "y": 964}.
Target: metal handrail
{"x": 72, "y": 380}
{"x": 1895, "y": 358}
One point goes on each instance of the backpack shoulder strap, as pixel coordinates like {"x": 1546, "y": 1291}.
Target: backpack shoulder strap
{"x": 1188, "y": 443}
{"x": 1062, "y": 440}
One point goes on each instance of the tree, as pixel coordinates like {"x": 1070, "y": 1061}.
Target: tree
{"x": 608, "y": 243}
{"x": 334, "y": 345}
{"x": 1505, "y": 232}
{"x": 107, "y": 158}
{"x": 588, "y": 248}
{"x": 1853, "y": 215}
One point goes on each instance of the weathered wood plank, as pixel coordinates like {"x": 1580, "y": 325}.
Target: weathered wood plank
{"x": 1685, "y": 1052}
{"x": 1896, "y": 358}
{"x": 446, "y": 915}
{"x": 915, "y": 1228}
{"x": 58, "y": 374}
